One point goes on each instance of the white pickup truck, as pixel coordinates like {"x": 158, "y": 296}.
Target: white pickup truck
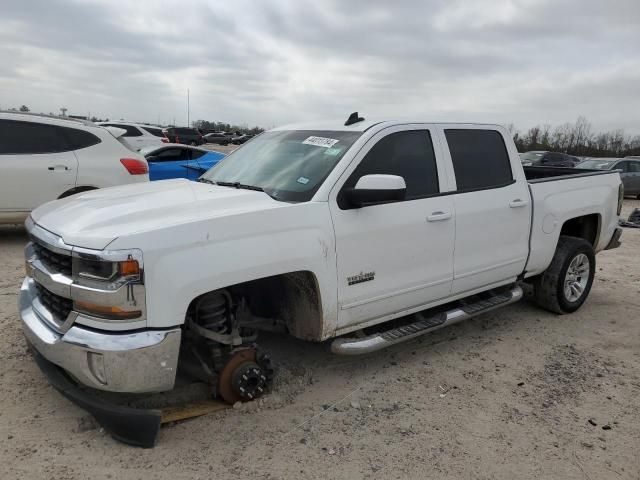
{"x": 368, "y": 233}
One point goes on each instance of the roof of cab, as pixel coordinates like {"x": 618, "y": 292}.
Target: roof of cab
{"x": 338, "y": 125}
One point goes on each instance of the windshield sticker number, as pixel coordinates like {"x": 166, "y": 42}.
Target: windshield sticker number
{"x": 321, "y": 141}
{"x": 303, "y": 180}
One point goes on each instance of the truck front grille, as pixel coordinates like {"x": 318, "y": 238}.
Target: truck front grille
{"x": 59, "y": 306}
{"x": 56, "y": 261}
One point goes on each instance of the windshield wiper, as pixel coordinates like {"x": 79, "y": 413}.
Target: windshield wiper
{"x": 240, "y": 185}
{"x": 205, "y": 180}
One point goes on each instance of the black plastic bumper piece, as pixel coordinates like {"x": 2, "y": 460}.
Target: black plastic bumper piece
{"x": 615, "y": 239}
{"x": 129, "y": 425}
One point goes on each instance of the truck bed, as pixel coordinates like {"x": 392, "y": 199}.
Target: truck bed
{"x": 549, "y": 174}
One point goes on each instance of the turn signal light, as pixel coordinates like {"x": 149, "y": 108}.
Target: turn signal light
{"x": 135, "y": 166}
{"x": 115, "y": 313}
{"x": 128, "y": 268}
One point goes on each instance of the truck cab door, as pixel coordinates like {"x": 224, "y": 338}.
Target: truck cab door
{"x": 397, "y": 256}
{"x": 493, "y": 208}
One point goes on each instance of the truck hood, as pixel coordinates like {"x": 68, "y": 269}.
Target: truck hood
{"x": 94, "y": 219}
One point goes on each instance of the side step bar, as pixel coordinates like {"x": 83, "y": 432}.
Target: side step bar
{"x": 380, "y": 340}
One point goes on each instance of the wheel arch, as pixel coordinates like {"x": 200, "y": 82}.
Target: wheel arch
{"x": 292, "y": 297}
{"x": 586, "y": 227}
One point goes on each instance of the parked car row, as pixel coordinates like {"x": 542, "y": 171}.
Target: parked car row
{"x": 629, "y": 166}
{"x": 629, "y": 171}
{"x": 222, "y": 138}
{"x": 46, "y": 158}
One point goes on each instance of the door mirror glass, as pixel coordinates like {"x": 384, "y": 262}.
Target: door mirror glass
{"x": 377, "y": 189}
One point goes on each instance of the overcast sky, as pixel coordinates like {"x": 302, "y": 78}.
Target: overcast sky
{"x": 525, "y": 62}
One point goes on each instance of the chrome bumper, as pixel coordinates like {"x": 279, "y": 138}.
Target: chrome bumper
{"x": 127, "y": 362}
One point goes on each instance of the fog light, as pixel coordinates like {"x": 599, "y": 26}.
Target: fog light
{"x": 96, "y": 366}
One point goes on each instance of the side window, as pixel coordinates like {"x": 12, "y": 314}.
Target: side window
{"x": 480, "y": 159}
{"x": 196, "y": 154}
{"x": 170, "y": 155}
{"x": 634, "y": 167}
{"x": 624, "y": 166}
{"x": 408, "y": 154}
{"x": 17, "y": 137}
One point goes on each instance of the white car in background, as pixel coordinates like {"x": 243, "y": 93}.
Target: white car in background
{"x": 44, "y": 158}
{"x": 138, "y": 135}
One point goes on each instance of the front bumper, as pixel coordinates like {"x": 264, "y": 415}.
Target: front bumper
{"x": 129, "y": 362}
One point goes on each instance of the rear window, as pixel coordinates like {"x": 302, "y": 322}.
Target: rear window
{"x": 480, "y": 159}
{"x": 131, "y": 130}
{"x": 156, "y": 132}
{"x": 17, "y": 137}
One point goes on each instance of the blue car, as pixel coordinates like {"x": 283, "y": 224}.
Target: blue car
{"x": 173, "y": 160}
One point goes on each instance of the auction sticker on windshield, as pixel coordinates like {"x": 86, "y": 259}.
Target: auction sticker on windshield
{"x": 321, "y": 141}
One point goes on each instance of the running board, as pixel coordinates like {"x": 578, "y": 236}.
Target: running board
{"x": 380, "y": 340}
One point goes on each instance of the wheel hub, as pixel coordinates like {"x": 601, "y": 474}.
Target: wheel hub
{"x": 246, "y": 376}
{"x": 577, "y": 277}
{"x": 249, "y": 381}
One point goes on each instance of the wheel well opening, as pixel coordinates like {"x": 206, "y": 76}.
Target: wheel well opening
{"x": 586, "y": 227}
{"x": 291, "y": 298}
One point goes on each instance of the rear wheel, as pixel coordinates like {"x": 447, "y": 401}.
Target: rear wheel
{"x": 565, "y": 285}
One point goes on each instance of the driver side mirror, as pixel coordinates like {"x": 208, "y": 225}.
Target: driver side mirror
{"x": 377, "y": 189}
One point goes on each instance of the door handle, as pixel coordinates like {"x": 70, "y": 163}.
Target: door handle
{"x": 439, "y": 216}
{"x": 518, "y": 203}
{"x": 58, "y": 167}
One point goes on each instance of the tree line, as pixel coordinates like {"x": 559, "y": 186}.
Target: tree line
{"x": 225, "y": 127}
{"x": 578, "y": 139}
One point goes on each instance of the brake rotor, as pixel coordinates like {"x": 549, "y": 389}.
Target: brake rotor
{"x": 238, "y": 360}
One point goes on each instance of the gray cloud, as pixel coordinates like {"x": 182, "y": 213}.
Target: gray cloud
{"x": 267, "y": 63}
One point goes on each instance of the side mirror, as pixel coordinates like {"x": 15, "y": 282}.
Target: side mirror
{"x": 376, "y": 189}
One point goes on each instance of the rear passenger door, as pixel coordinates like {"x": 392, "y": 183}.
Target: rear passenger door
{"x": 395, "y": 256}
{"x": 37, "y": 164}
{"x": 493, "y": 211}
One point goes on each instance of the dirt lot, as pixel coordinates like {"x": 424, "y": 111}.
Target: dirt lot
{"x": 507, "y": 395}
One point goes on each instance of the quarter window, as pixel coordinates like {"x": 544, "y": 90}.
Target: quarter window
{"x": 480, "y": 159}
{"x": 408, "y": 154}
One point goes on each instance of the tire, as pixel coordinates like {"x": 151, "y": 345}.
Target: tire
{"x": 560, "y": 290}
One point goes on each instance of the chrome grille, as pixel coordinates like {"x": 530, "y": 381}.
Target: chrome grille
{"x": 56, "y": 261}
{"x": 59, "y": 306}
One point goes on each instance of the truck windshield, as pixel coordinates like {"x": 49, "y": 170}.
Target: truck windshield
{"x": 289, "y": 165}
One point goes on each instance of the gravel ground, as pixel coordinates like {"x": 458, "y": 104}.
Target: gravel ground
{"x": 516, "y": 393}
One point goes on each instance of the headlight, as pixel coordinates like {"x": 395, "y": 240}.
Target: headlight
{"x": 105, "y": 273}
{"x": 110, "y": 284}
